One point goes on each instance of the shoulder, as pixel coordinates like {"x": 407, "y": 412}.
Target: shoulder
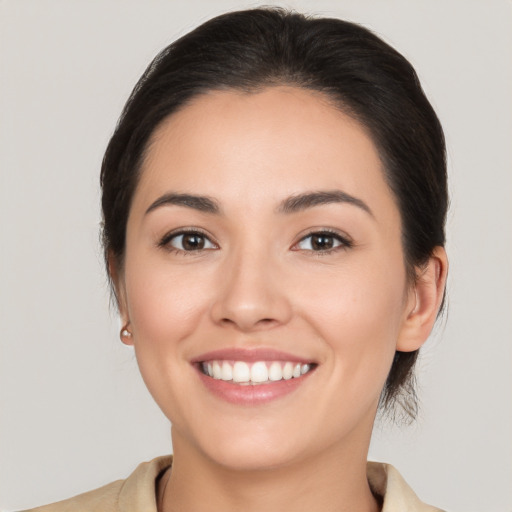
{"x": 135, "y": 493}
{"x": 386, "y": 482}
{"x": 103, "y": 499}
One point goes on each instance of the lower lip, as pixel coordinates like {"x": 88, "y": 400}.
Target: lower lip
{"x": 251, "y": 394}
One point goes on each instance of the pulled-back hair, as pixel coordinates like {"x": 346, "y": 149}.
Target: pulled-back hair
{"x": 361, "y": 75}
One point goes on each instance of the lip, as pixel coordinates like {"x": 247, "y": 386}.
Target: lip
{"x": 252, "y": 394}
{"x": 250, "y": 355}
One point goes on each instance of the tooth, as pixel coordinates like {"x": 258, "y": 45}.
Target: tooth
{"x": 227, "y": 371}
{"x": 259, "y": 372}
{"x": 275, "y": 372}
{"x": 304, "y": 369}
{"x": 217, "y": 370}
{"x": 241, "y": 372}
{"x": 288, "y": 371}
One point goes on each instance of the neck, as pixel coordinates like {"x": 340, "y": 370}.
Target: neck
{"x": 334, "y": 481}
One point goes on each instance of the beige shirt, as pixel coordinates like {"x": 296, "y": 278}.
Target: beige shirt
{"x": 138, "y": 492}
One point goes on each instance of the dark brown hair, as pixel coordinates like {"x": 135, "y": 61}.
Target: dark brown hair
{"x": 361, "y": 74}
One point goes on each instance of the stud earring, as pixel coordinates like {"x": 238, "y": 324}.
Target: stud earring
{"x": 125, "y": 333}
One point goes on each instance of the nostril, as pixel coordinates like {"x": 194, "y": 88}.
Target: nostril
{"x": 261, "y": 323}
{"x": 266, "y": 323}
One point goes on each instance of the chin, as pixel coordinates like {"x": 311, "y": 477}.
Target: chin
{"x": 242, "y": 458}
{"x": 243, "y": 448}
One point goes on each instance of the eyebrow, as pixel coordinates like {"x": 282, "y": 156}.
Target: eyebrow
{"x": 201, "y": 203}
{"x": 307, "y": 200}
{"x": 291, "y": 204}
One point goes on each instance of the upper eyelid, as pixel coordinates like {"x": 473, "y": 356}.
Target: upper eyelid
{"x": 346, "y": 242}
{"x": 185, "y": 231}
{"x": 326, "y": 231}
{"x": 343, "y": 237}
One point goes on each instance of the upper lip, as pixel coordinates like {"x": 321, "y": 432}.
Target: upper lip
{"x": 250, "y": 355}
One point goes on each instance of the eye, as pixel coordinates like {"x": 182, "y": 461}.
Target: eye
{"x": 323, "y": 241}
{"x": 188, "y": 241}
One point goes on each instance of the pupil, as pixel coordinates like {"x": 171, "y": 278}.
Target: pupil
{"x": 322, "y": 242}
{"x": 193, "y": 242}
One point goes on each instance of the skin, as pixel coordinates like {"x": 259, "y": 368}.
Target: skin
{"x": 260, "y": 283}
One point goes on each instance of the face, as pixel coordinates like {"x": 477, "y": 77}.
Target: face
{"x": 264, "y": 281}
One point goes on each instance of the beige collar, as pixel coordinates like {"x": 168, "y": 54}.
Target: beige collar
{"x": 137, "y": 493}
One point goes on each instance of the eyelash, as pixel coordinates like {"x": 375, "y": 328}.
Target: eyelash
{"x": 344, "y": 242}
{"x": 165, "y": 242}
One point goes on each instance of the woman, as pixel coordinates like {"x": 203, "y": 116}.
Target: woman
{"x": 274, "y": 200}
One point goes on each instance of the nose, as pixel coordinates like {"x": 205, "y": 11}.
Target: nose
{"x": 251, "y": 294}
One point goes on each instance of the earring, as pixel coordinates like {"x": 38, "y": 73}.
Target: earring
{"x": 125, "y": 333}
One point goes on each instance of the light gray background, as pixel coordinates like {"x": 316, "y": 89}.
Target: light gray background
{"x": 74, "y": 412}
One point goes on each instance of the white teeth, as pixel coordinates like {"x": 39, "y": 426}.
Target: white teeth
{"x": 217, "y": 370}
{"x": 288, "y": 371}
{"x": 241, "y": 372}
{"x": 304, "y": 369}
{"x": 275, "y": 372}
{"x": 254, "y": 373}
{"x": 227, "y": 371}
{"x": 259, "y": 372}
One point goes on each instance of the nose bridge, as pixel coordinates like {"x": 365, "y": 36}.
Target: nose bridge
{"x": 250, "y": 296}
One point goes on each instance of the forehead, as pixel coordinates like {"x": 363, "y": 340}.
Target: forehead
{"x": 278, "y": 141}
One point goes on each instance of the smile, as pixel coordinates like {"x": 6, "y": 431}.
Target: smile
{"x": 253, "y": 376}
{"x": 254, "y": 373}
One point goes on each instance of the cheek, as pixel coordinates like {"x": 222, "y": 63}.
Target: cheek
{"x": 358, "y": 315}
{"x": 165, "y": 307}
{"x": 162, "y": 302}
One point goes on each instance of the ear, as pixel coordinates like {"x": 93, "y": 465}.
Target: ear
{"x": 117, "y": 280}
{"x": 425, "y": 299}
